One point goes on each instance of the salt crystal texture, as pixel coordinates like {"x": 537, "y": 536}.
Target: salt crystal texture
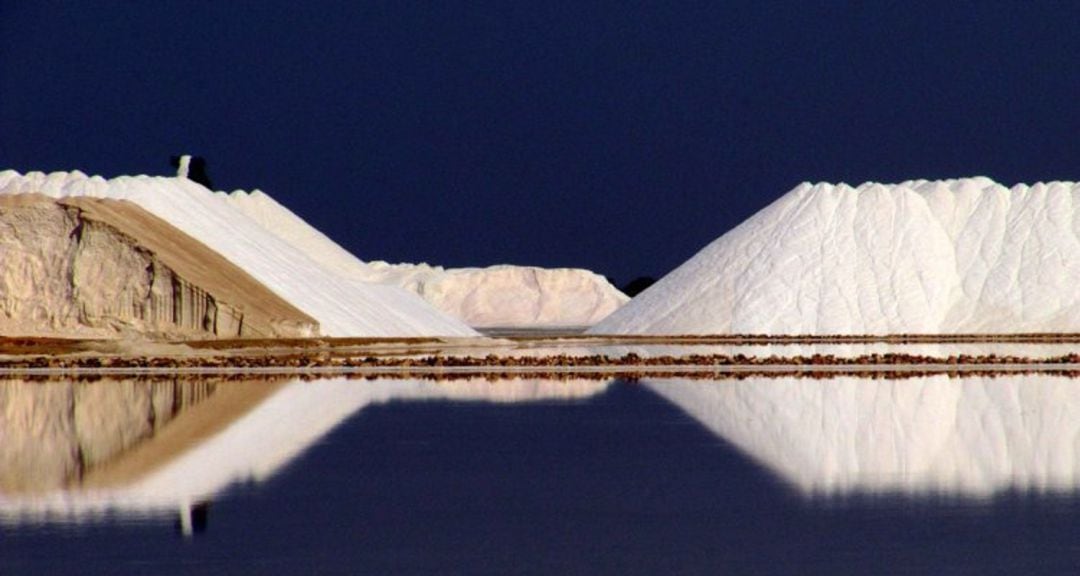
{"x": 497, "y": 296}
{"x": 342, "y": 306}
{"x": 953, "y": 256}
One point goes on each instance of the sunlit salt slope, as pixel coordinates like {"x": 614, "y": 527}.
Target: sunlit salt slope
{"x": 950, "y": 256}
{"x": 483, "y": 297}
{"x": 343, "y": 307}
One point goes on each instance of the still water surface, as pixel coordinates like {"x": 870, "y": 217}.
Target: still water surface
{"x": 335, "y": 476}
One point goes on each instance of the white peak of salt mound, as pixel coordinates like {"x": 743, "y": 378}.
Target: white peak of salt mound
{"x": 496, "y": 296}
{"x": 952, "y": 256}
{"x": 343, "y": 307}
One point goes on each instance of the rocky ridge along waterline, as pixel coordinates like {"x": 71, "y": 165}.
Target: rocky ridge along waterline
{"x": 920, "y": 257}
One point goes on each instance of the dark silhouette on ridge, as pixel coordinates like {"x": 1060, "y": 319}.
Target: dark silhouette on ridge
{"x": 196, "y": 170}
{"x": 638, "y": 285}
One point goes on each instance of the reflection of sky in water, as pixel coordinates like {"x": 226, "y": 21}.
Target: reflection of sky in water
{"x": 973, "y": 436}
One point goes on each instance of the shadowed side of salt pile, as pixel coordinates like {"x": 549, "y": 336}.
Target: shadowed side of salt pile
{"x": 101, "y": 267}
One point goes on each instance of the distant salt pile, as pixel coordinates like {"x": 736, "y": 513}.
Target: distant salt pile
{"x": 341, "y": 306}
{"x": 497, "y": 296}
{"x": 954, "y": 256}
{"x": 509, "y": 296}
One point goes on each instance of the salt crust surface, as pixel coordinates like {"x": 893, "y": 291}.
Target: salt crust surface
{"x": 342, "y": 306}
{"x": 969, "y": 436}
{"x": 497, "y": 296}
{"x": 953, "y": 256}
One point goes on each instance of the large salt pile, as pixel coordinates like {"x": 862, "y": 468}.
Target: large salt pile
{"x": 954, "y": 256}
{"x": 96, "y": 267}
{"x": 341, "y": 306}
{"x": 497, "y": 296}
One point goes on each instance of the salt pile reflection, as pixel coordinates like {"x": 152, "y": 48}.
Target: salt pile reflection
{"x": 969, "y": 436}
{"x": 75, "y": 451}
{"x": 79, "y": 451}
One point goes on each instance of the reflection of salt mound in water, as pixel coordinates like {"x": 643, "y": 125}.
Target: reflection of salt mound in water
{"x": 342, "y": 307}
{"x": 973, "y": 436}
{"x": 514, "y": 391}
{"x": 497, "y": 296}
{"x": 919, "y": 257}
{"x": 258, "y": 429}
{"x": 52, "y": 433}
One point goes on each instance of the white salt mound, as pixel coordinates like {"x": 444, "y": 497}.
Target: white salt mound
{"x": 954, "y": 256}
{"x": 102, "y": 268}
{"x": 497, "y": 296}
{"x": 508, "y": 296}
{"x": 342, "y": 306}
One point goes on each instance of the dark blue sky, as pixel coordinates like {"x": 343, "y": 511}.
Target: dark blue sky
{"x": 616, "y": 136}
